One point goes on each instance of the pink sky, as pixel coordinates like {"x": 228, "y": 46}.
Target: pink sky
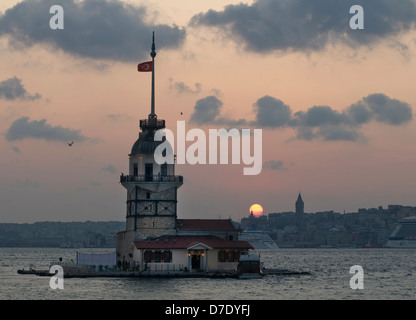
{"x": 104, "y": 99}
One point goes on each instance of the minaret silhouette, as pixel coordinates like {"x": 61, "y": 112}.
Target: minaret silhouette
{"x": 299, "y": 213}
{"x": 299, "y": 205}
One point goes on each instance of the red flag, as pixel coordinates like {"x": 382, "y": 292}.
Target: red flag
{"x": 145, "y": 66}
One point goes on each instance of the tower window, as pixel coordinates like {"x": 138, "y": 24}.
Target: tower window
{"x": 164, "y": 170}
{"x": 148, "y": 195}
{"x": 148, "y": 172}
{"x": 135, "y": 170}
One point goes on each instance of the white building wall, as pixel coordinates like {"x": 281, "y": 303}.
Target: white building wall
{"x": 181, "y": 260}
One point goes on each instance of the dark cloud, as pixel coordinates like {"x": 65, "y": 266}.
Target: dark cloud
{"x": 318, "y": 116}
{"x": 324, "y": 122}
{"x": 23, "y": 128}
{"x": 317, "y": 122}
{"x": 13, "y": 89}
{"x": 388, "y": 110}
{"x": 305, "y": 25}
{"x": 206, "y": 110}
{"x": 359, "y": 113}
{"x": 99, "y": 29}
{"x": 272, "y": 112}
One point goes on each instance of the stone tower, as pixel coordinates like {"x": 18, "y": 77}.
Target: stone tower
{"x": 151, "y": 187}
{"x": 299, "y": 205}
{"x": 299, "y": 213}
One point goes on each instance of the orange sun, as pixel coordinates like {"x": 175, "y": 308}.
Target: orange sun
{"x": 256, "y": 209}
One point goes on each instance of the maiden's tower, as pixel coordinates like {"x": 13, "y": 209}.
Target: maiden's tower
{"x": 154, "y": 236}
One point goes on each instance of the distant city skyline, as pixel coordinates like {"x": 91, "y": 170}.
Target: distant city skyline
{"x": 335, "y": 104}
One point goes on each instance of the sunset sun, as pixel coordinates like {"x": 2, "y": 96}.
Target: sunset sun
{"x": 256, "y": 209}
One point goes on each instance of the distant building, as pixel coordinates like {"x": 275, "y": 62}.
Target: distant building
{"x": 299, "y": 205}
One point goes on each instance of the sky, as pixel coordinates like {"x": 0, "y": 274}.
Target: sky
{"x": 335, "y": 104}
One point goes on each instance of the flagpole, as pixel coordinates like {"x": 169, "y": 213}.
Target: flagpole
{"x": 153, "y": 55}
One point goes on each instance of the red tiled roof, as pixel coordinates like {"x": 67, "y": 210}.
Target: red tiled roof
{"x": 205, "y": 224}
{"x": 184, "y": 242}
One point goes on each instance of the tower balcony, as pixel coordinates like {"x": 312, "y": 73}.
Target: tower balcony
{"x": 152, "y": 123}
{"x": 151, "y": 178}
{"x": 154, "y": 183}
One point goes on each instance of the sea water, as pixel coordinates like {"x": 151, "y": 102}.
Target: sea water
{"x": 388, "y": 274}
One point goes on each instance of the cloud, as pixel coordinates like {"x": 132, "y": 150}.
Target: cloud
{"x": 181, "y": 87}
{"x": 384, "y": 109}
{"x": 337, "y": 133}
{"x": 15, "y": 149}
{"x": 110, "y": 168}
{"x": 318, "y": 116}
{"x": 116, "y": 117}
{"x": 317, "y": 122}
{"x": 216, "y": 92}
{"x": 12, "y": 89}
{"x": 206, "y": 110}
{"x": 23, "y": 128}
{"x": 271, "y": 112}
{"x": 98, "y": 29}
{"x": 324, "y": 122}
{"x": 305, "y": 25}
{"x": 274, "y": 165}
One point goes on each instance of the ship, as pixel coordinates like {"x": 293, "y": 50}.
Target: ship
{"x": 404, "y": 235}
{"x": 258, "y": 239}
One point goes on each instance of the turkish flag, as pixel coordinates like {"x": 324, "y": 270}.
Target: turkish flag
{"x": 145, "y": 66}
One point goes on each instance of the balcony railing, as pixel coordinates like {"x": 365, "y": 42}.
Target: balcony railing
{"x": 151, "y": 178}
{"x": 152, "y": 123}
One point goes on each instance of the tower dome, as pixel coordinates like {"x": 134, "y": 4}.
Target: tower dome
{"x": 146, "y": 143}
{"x": 144, "y": 146}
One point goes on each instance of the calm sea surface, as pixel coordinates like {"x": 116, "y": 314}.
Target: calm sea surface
{"x": 388, "y": 274}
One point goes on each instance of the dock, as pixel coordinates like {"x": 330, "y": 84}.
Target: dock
{"x": 82, "y": 273}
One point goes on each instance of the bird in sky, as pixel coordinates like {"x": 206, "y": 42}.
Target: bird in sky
{"x": 71, "y": 143}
